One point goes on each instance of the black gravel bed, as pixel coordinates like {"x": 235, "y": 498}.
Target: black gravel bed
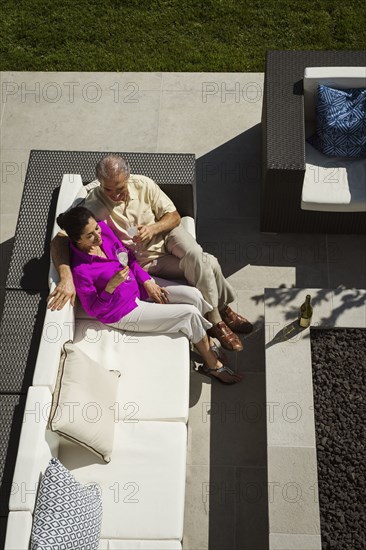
{"x": 339, "y": 364}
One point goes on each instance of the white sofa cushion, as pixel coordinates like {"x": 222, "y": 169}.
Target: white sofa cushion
{"x": 18, "y": 530}
{"x": 67, "y": 514}
{"x": 143, "y": 486}
{"x": 332, "y": 184}
{"x": 154, "y": 383}
{"x": 37, "y": 446}
{"x": 144, "y": 545}
{"x": 83, "y": 402}
{"x": 58, "y": 328}
{"x": 71, "y": 186}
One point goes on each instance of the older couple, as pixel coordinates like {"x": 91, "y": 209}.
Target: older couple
{"x": 165, "y": 248}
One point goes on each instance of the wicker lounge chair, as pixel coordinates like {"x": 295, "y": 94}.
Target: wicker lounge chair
{"x": 283, "y": 145}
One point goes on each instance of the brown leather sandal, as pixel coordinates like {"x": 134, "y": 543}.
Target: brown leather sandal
{"x": 217, "y": 373}
{"x": 225, "y": 336}
{"x": 218, "y": 352}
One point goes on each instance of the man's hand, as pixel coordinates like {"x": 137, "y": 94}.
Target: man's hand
{"x": 157, "y": 293}
{"x": 146, "y": 233}
{"x": 64, "y": 291}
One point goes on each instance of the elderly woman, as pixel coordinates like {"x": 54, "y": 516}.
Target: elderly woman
{"x": 127, "y": 297}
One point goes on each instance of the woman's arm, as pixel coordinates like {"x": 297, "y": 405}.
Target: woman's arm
{"x": 140, "y": 274}
{"x": 98, "y": 303}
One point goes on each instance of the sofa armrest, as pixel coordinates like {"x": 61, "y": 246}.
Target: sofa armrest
{"x": 58, "y": 328}
{"x": 18, "y": 531}
{"x": 189, "y": 225}
{"x": 71, "y": 188}
{"x": 37, "y": 446}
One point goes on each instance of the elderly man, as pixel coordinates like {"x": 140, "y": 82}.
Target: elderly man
{"x": 164, "y": 247}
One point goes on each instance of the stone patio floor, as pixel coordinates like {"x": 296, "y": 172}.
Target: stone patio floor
{"x": 217, "y": 117}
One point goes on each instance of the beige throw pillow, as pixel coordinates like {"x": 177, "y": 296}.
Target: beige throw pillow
{"x": 83, "y": 402}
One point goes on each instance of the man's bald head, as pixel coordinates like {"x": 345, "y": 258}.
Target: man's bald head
{"x": 110, "y": 168}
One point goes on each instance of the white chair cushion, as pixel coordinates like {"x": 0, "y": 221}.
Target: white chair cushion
{"x": 18, "y": 531}
{"x": 154, "y": 383}
{"x": 336, "y": 77}
{"x": 143, "y": 486}
{"x": 332, "y": 184}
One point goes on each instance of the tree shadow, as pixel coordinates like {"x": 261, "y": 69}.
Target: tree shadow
{"x": 350, "y": 299}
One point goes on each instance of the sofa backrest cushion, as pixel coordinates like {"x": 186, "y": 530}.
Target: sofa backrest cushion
{"x": 337, "y": 77}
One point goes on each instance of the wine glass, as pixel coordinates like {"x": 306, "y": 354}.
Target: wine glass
{"x": 122, "y": 257}
{"x": 133, "y": 231}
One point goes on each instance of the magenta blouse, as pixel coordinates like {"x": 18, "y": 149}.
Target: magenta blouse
{"x": 92, "y": 273}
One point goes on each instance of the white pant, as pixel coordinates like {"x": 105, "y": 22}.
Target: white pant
{"x": 184, "y": 313}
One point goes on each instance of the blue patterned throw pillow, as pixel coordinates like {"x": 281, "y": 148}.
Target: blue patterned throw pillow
{"x": 67, "y": 515}
{"x": 341, "y": 122}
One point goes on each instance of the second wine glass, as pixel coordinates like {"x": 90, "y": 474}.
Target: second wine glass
{"x": 122, "y": 257}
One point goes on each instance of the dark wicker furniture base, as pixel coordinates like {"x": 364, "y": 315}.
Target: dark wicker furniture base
{"x": 283, "y": 145}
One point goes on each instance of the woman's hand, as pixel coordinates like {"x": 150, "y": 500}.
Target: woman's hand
{"x": 157, "y": 293}
{"x": 118, "y": 278}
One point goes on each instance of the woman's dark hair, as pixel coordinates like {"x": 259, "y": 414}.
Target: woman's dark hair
{"x": 74, "y": 220}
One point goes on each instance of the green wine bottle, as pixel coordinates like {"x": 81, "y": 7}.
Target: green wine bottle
{"x": 306, "y": 313}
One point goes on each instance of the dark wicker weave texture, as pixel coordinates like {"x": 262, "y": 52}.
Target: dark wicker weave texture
{"x": 283, "y": 142}
{"x": 30, "y": 258}
{"x": 20, "y": 334}
{"x": 7, "y": 405}
{"x": 12, "y": 407}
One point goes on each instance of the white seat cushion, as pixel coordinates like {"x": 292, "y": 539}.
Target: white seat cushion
{"x": 143, "y": 485}
{"x": 333, "y": 184}
{"x": 37, "y": 445}
{"x": 18, "y": 530}
{"x": 154, "y": 382}
{"x": 139, "y": 545}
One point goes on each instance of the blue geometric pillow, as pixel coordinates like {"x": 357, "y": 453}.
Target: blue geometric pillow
{"x": 67, "y": 515}
{"x": 341, "y": 122}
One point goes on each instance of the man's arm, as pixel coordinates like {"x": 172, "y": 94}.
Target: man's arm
{"x": 166, "y": 223}
{"x": 65, "y": 289}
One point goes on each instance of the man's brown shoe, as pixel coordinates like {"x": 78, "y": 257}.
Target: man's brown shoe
{"x": 236, "y": 322}
{"x": 225, "y": 336}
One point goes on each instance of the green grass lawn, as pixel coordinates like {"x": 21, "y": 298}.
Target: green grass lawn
{"x": 171, "y": 35}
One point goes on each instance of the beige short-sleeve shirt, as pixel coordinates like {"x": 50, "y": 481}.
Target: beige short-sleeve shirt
{"x": 147, "y": 204}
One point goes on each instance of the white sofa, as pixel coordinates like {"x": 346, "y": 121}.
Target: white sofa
{"x": 331, "y": 184}
{"x": 143, "y": 486}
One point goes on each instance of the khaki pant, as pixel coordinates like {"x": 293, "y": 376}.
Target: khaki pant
{"x": 185, "y": 258}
